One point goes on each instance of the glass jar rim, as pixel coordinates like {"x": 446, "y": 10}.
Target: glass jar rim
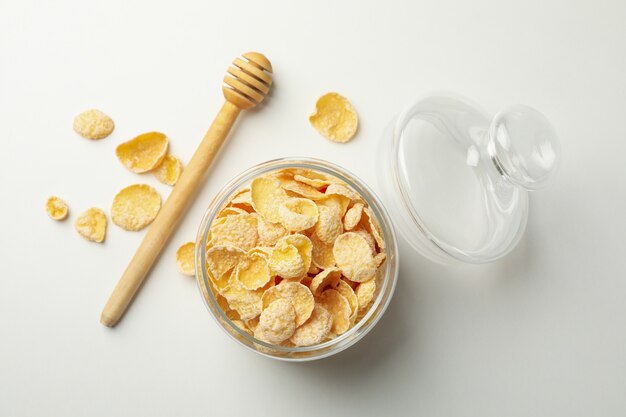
{"x": 391, "y": 265}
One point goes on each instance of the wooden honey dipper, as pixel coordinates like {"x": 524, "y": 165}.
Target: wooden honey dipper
{"x": 247, "y": 83}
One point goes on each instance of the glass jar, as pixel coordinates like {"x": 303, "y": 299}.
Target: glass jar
{"x": 387, "y": 280}
{"x": 456, "y": 181}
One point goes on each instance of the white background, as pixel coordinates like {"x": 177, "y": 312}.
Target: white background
{"x": 539, "y": 333}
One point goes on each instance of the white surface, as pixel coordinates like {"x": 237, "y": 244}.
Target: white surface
{"x": 541, "y": 333}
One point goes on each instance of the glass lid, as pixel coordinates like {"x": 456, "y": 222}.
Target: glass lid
{"x": 463, "y": 177}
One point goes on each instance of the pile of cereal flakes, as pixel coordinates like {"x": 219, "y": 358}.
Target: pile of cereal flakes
{"x": 295, "y": 259}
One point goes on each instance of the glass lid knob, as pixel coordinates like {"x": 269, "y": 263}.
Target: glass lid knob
{"x": 524, "y": 146}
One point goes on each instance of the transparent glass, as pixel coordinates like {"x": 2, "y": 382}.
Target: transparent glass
{"x": 387, "y": 278}
{"x": 459, "y": 180}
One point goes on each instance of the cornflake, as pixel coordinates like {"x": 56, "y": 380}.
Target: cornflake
{"x": 93, "y": 124}
{"x": 322, "y": 253}
{"x": 239, "y": 231}
{"x": 337, "y": 202}
{"x": 277, "y": 322}
{"x": 92, "y": 225}
{"x": 338, "y": 307}
{"x": 267, "y": 196}
{"x": 269, "y": 233}
{"x": 365, "y": 293}
{"x": 334, "y": 118}
{"x": 135, "y": 207}
{"x": 56, "y": 208}
{"x": 223, "y": 259}
{"x": 371, "y": 225}
{"x": 354, "y": 257}
{"x": 169, "y": 171}
{"x": 327, "y": 278}
{"x": 303, "y": 245}
{"x": 242, "y": 326}
{"x": 253, "y": 272}
{"x": 329, "y": 226}
{"x": 299, "y": 295}
{"x": 315, "y": 329}
{"x": 368, "y": 238}
{"x": 340, "y": 189}
{"x": 246, "y": 303}
{"x": 316, "y": 181}
{"x": 297, "y": 214}
{"x": 293, "y": 258}
{"x": 185, "y": 259}
{"x": 301, "y": 189}
{"x": 286, "y": 262}
{"x": 144, "y": 152}
{"x": 353, "y": 216}
{"x": 230, "y": 211}
{"x": 243, "y": 200}
{"x": 346, "y": 290}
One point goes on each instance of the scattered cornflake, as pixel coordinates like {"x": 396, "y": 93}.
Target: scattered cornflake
{"x": 169, "y": 170}
{"x": 93, "y": 124}
{"x": 56, "y": 208}
{"x": 135, "y": 207}
{"x": 334, "y": 118}
{"x": 144, "y": 152}
{"x": 185, "y": 259}
{"x": 92, "y": 225}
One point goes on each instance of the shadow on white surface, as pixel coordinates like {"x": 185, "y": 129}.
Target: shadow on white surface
{"x": 399, "y": 328}
{"x": 381, "y": 345}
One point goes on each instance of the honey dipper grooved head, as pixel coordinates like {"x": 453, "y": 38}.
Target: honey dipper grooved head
{"x": 248, "y": 80}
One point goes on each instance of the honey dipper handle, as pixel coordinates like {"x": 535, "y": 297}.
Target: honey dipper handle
{"x": 167, "y": 219}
